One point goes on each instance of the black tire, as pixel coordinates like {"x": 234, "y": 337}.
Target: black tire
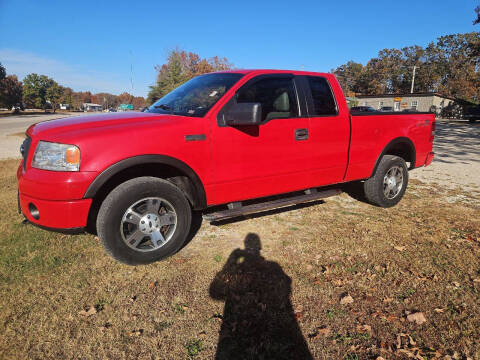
{"x": 374, "y": 187}
{"x": 115, "y": 205}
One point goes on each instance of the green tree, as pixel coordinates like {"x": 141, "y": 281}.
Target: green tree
{"x": 11, "y": 91}
{"x": 181, "y": 67}
{"x": 349, "y": 76}
{"x": 459, "y": 66}
{"x": 54, "y": 94}
{"x": 3, "y": 72}
{"x": 35, "y": 90}
{"x": 106, "y": 100}
{"x": 449, "y": 65}
{"x": 79, "y": 98}
{"x": 67, "y": 97}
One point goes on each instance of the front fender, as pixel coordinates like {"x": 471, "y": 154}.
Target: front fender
{"x": 199, "y": 193}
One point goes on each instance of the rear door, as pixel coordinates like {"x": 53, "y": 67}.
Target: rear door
{"x": 329, "y": 130}
{"x": 271, "y": 158}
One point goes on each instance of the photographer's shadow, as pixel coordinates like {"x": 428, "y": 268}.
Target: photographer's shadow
{"x": 258, "y": 318}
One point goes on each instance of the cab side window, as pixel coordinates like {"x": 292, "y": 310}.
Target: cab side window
{"x": 323, "y": 100}
{"x": 277, "y": 96}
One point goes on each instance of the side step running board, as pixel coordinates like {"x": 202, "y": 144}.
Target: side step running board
{"x": 238, "y": 210}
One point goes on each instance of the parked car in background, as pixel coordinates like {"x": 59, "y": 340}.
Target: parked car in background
{"x": 386, "y": 109}
{"x": 362, "y": 109}
{"x": 411, "y": 110}
{"x": 222, "y": 143}
{"x": 471, "y": 113}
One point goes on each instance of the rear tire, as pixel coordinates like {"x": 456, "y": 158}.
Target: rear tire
{"x": 144, "y": 220}
{"x": 387, "y": 186}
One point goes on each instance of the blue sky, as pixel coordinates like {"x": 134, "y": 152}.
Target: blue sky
{"x": 91, "y": 45}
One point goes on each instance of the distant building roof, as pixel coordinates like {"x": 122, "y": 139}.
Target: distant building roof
{"x": 91, "y": 104}
{"x": 407, "y": 94}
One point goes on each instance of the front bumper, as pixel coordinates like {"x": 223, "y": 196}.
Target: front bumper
{"x": 54, "y": 200}
{"x": 55, "y": 215}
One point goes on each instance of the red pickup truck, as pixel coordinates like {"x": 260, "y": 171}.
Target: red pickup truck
{"x": 234, "y": 139}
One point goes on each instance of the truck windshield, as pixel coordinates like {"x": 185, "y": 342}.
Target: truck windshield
{"x": 196, "y": 96}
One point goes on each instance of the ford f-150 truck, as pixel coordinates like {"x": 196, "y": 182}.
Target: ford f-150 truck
{"x": 235, "y": 142}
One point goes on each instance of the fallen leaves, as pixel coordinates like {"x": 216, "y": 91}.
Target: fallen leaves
{"x": 389, "y": 317}
{"x": 339, "y": 282}
{"x": 298, "y": 312}
{"x": 322, "y": 331}
{"x": 180, "y": 308}
{"x": 407, "y": 345}
{"x": 327, "y": 269}
{"x": 417, "y": 317}
{"x": 136, "y": 332}
{"x": 400, "y": 248}
{"x": 88, "y": 312}
{"x": 105, "y": 327}
{"x": 362, "y": 329}
{"x": 346, "y": 299}
{"x": 401, "y": 343}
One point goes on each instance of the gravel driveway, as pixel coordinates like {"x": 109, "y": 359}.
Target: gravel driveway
{"x": 457, "y": 156}
{"x": 456, "y": 164}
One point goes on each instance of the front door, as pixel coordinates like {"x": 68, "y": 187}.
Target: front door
{"x": 261, "y": 160}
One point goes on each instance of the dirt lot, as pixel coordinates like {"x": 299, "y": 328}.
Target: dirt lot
{"x": 333, "y": 280}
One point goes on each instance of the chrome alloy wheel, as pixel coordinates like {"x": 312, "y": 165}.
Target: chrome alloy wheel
{"x": 148, "y": 224}
{"x": 393, "y": 182}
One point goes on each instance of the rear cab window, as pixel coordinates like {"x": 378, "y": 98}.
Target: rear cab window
{"x": 320, "y": 98}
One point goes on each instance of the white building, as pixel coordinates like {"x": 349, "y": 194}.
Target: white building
{"x": 424, "y": 102}
{"x": 92, "y": 107}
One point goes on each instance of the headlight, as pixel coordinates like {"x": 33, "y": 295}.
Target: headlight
{"x": 56, "y": 157}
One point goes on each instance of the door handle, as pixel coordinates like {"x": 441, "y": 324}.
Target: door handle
{"x": 301, "y": 134}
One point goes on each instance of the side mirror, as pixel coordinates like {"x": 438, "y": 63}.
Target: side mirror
{"x": 244, "y": 114}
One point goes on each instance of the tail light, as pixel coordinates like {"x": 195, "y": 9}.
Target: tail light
{"x": 432, "y": 134}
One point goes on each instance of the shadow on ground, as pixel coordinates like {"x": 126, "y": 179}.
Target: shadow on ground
{"x": 456, "y": 142}
{"x": 258, "y": 321}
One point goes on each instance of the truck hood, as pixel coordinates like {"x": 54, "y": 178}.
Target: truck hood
{"x": 78, "y": 123}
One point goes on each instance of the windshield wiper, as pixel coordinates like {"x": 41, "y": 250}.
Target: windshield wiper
{"x": 164, "y": 107}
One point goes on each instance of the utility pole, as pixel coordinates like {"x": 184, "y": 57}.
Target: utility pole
{"x": 131, "y": 69}
{"x": 413, "y": 78}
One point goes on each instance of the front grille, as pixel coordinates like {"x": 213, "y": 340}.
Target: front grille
{"x": 24, "y": 148}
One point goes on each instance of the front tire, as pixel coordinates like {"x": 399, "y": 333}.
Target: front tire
{"x": 144, "y": 220}
{"x": 387, "y": 186}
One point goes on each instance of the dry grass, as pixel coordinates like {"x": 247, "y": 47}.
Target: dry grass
{"x": 420, "y": 256}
